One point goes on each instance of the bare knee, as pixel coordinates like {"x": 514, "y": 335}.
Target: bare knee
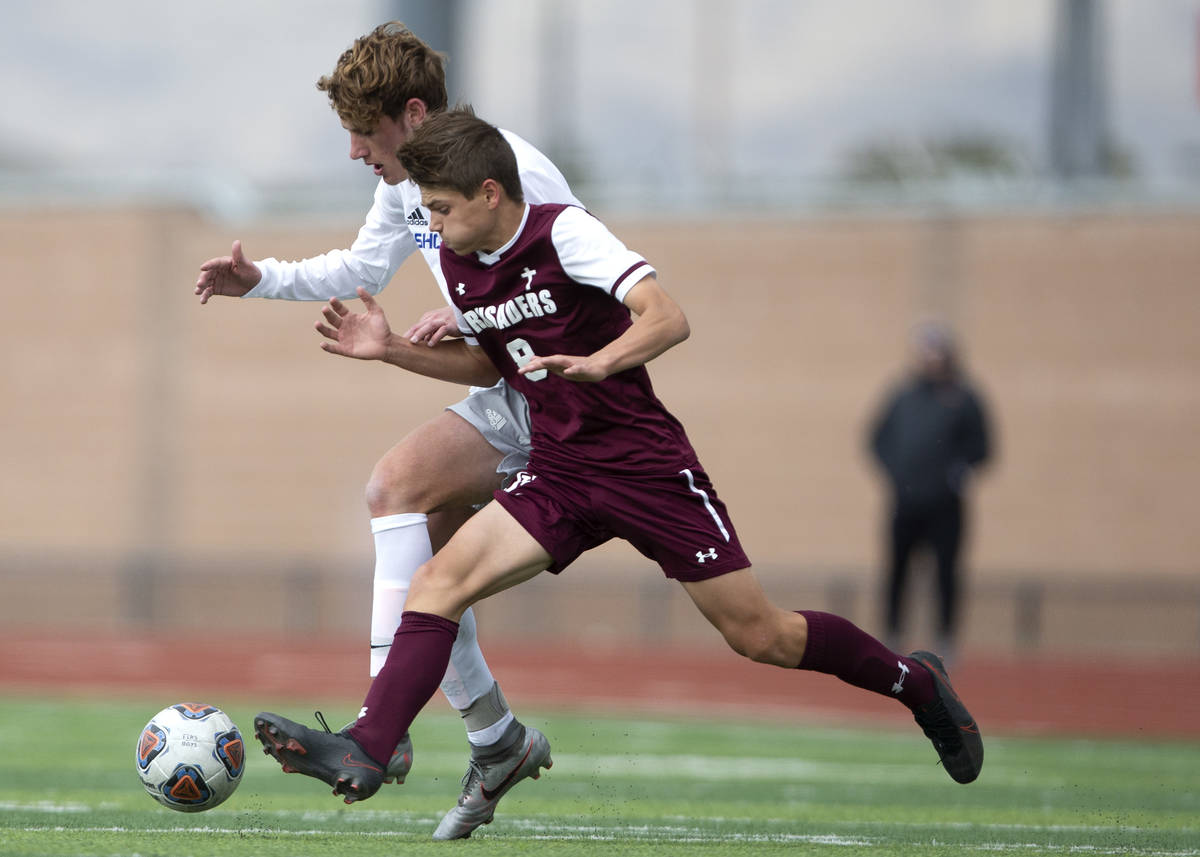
{"x": 400, "y": 484}
{"x": 777, "y": 639}
{"x": 434, "y": 591}
{"x": 753, "y": 627}
{"x": 752, "y": 642}
{"x": 445, "y": 462}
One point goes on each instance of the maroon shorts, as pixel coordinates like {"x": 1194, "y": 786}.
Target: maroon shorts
{"x": 676, "y": 520}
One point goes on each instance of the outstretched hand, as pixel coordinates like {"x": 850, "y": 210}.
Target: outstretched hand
{"x": 570, "y": 367}
{"x": 232, "y": 275}
{"x": 361, "y": 335}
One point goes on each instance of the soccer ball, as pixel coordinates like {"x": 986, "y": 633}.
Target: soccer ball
{"x": 190, "y": 757}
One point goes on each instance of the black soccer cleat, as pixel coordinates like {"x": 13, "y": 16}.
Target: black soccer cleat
{"x": 947, "y": 723}
{"x": 402, "y": 757}
{"x": 332, "y": 757}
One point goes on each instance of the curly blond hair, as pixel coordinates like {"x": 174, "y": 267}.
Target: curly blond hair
{"x": 379, "y": 74}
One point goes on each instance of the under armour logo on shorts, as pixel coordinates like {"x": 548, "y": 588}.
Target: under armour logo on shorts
{"x": 522, "y": 478}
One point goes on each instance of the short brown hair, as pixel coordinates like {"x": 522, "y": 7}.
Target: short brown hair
{"x": 379, "y": 74}
{"x": 459, "y": 151}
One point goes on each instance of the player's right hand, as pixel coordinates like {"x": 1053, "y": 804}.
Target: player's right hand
{"x": 232, "y": 275}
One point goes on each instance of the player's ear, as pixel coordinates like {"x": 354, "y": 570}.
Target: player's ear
{"x": 492, "y": 193}
{"x": 415, "y": 112}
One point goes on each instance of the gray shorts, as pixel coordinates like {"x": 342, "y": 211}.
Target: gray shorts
{"x": 501, "y": 415}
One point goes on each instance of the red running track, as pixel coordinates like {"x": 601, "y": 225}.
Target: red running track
{"x": 1103, "y": 698}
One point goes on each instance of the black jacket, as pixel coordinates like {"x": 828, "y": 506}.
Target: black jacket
{"x": 927, "y": 437}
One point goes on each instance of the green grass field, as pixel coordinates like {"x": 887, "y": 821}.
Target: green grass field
{"x": 619, "y": 786}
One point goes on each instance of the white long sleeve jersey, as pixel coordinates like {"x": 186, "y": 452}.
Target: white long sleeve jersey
{"x": 396, "y": 226}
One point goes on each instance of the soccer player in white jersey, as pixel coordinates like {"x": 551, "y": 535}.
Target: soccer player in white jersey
{"x": 423, "y": 488}
{"x": 544, "y": 295}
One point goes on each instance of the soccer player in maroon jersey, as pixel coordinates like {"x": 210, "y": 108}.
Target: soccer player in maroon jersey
{"x": 543, "y": 295}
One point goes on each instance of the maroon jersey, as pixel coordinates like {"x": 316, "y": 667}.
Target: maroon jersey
{"x": 556, "y": 288}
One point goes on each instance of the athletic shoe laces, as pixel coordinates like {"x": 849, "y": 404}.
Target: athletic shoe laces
{"x": 939, "y": 728}
{"x": 473, "y": 775}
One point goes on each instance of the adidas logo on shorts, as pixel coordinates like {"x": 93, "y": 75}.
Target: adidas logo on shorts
{"x": 495, "y": 420}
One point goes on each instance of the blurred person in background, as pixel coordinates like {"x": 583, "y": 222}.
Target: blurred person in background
{"x": 930, "y": 435}
{"x": 428, "y": 484}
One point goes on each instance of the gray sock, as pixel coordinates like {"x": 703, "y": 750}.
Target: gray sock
{"x": 486, "y": 710}
{"x": 514, "y": 735}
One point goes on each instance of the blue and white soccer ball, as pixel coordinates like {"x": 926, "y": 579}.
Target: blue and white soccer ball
{"x": 190, "y": 757}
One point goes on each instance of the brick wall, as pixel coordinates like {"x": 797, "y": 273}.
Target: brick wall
{"x": 143, "y": 431}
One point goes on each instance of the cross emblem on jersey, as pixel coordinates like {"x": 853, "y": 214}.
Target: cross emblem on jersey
{"x": 701, "y": 556}
{"x": 461, "y": 289}
{"x": 528, "y": 275}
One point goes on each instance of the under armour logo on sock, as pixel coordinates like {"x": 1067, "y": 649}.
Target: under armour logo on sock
{"x": 899, "y": 685}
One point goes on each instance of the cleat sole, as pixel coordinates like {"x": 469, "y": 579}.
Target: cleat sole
{"x": 311, "y": 758}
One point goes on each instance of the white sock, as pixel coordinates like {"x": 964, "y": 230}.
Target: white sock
{"x": 401, "y": 547}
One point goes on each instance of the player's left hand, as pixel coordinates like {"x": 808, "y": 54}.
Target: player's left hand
{"x": 571, "y": 367}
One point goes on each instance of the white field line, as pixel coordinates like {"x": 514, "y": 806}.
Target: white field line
{"x": 718, "y": 768}
{"x": 673, "y": 824}
{"x": 998, "y": 826}
{"x": 594, "y": 834}
{"x": 642, "y": 833}
{"x": 45, "y": 806}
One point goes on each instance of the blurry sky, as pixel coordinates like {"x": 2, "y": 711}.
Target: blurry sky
{"x": 221, "y": 93}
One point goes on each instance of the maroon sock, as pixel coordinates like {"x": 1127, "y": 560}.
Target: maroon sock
{"x": 839, "y": 647}
{"x": 410, "y": 676}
